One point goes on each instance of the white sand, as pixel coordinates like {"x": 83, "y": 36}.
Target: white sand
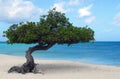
{"x": 54, "y": 69}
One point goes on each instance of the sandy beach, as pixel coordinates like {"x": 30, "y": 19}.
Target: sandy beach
{"x": 58, "y": 69}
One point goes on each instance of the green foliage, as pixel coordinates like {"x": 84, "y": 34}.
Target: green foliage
{"x": 53, "y": 27}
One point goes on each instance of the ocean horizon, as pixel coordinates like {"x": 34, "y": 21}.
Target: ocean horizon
{"x": 100, "y": 52}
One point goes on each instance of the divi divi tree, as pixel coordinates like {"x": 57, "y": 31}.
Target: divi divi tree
{"x": 53, "y": 28}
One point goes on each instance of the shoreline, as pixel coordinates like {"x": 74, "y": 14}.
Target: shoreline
{"x": 84, "y": 62}
{"x": 58, "y": 69}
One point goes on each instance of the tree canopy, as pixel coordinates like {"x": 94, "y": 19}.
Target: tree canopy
{"x": 53, "y": 27}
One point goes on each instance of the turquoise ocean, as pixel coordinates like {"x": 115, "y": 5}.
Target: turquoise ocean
{"x": 104, "y": 53}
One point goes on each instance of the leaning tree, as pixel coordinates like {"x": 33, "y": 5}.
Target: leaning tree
{"x": 53, "y": 28}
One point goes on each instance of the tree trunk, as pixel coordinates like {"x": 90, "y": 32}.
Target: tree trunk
{"x": 30, "y": 65}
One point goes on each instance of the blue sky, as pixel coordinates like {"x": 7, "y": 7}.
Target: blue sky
{"x": 103, "y": 16}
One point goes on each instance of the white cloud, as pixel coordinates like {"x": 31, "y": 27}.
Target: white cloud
{"x": 73, "y": 2}
{"x": 18, "y": 10}
{"x": 62, "y": 7}
{"x": 89, "y": 19}
{"x": 117, "y": 19}
{"x": 67, "y": 6}
{"x": 59, "y": 7}
{"x": 85, "y": 11}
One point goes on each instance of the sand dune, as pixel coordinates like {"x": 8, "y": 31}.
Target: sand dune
{"x": 58, "y": 69}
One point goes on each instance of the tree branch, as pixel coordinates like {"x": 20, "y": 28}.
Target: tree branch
{"x": 42, "y": 47}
